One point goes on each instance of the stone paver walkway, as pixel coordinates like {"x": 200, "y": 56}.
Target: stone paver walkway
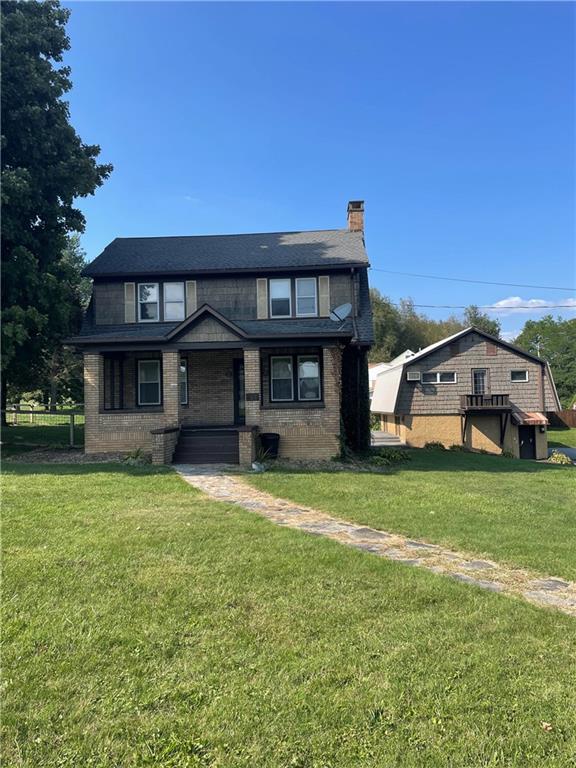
{"x": 220, "y": 484}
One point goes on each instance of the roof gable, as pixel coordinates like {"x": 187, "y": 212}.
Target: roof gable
{"x": 206, "y": 324}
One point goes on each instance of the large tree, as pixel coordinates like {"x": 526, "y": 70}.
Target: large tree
{"x": 555, "y": 341}
{"x": 45, "y": 168}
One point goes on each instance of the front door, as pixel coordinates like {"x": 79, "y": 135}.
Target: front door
{"x": 239, "y": 401}
{"x": 527, "y": 437}
{"x": 480, "y": 385}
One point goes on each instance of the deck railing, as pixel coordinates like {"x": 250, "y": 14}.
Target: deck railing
{"x": 479, "y": 402}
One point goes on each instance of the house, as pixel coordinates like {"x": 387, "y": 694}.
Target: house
{"x": 194, "y": 345}
{"x": 469, "y": 389}
{"x": 375, "y": 369}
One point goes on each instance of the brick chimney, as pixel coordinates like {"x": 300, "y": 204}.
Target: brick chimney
{"x": 356, "y": 216}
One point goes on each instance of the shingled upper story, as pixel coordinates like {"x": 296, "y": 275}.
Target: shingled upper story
{"x": 210, "y": 339}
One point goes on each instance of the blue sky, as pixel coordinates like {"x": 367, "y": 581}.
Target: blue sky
{"x": 455, "y": 122}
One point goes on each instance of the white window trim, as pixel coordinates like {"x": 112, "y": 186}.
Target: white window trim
{"x": 309, "y": 399}
{"x": 437, "y": 374}
{"x": 307, "y": 314}
{"x": 277, "y": 280}
{"x": 183, "y": 361}
{"x": 140, "y": 320}
{"x": 183, "y": 302}
{"x": 159, "y": 382}
{"x": 281, "y": 399}
{"x": 519, "y": 381}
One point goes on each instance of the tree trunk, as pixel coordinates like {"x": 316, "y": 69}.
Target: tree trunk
{"x": 53, "y": 394}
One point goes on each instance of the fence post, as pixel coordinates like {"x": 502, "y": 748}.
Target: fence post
{"x": 71, "y": 430}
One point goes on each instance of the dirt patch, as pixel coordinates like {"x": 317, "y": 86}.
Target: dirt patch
{"x": 63, "y": 456}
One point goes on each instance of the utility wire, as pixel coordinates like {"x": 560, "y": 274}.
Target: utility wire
{"x": 481, "y": 282}
{"x": 517, "y": 306}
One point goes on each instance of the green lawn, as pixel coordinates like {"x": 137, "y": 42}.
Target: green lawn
{"x": 25, "y": 436}
{"x": 561, "y": 437}
{"x": 146, "y": 626}
{"x": 514, "y": 511}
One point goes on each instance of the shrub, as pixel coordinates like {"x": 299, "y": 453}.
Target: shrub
{"x": 434, "y": 446}
{"x": 137, "y": 458}
{"x": 386, "y": 457}
{"x": 508, "y": 455}
{"x": 557, "y": 457}
{"x": 458, "y": 447}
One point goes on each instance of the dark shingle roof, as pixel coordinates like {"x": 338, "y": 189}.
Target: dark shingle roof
{"x": 212, "y": 253}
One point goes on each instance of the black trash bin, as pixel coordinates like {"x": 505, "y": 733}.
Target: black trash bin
{"x": 269, "y": 442}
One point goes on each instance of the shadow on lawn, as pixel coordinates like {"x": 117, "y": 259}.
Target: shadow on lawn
{"x": 25, "y": 468}
{"x": 443, "y": 461}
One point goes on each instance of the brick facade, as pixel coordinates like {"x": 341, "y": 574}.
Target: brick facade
{"x": 305, "y": 432}
{"x": 482, "y": 432}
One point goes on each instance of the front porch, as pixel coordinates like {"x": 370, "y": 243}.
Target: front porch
{"x": 208, "y": 405}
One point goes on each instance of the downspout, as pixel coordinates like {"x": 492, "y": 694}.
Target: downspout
{"x": 543, "y": 388}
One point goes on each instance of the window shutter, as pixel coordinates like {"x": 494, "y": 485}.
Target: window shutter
{"x": 324, "y": 296}
{"x": 191, "y": 299}
{"x": 129, "y": 302}
{"x": 261, "y": 298}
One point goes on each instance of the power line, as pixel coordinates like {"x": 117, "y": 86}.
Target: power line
{"x": 493, "y": 306}
{"x": 481, "y": 282}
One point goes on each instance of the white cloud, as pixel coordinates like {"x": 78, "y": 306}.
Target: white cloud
{"x": 517, "y": 305}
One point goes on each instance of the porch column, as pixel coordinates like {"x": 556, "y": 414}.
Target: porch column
{"x": 93, "y": 397}
{"x": 170, "y": 387}
{"x": 252, "y": 386}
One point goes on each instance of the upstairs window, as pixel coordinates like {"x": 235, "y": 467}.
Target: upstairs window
{"x": 439, "y": 377}
{"x": 174, "y": 301}
{"x": 518, "y": 376}
{"x": 149, "y": 382}
{"x": 306, "y": 297}
{"x": 148, "y": 302}
{"x": 280, "y": 298}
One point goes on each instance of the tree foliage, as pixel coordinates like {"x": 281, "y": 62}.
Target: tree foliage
{"x": 555, "y": 341}
{"x": 45, "y": 168}
{"x": 397, "y": 328}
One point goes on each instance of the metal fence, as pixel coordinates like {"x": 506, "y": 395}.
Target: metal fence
{"x": 45, "y": 426}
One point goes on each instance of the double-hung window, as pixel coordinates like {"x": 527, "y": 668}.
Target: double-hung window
{"x": 183, "y": 381}
{"x": 306, "y": 303}
{"x": 281, "y": 379}
{"x": 148, "y": 302}
{"x": 281, "y": 298}
{"x": 308, "y": 377}
{"x": 149, "y": 382}
{"x": 174, "y": 301}
{"x": 295, "y": 378}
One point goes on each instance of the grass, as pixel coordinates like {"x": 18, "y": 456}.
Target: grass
{"x": 25, "y": 436}
{"x": 561, "y": 438}
{"x": 514, "y": 511}
{"x": 146, "y": 626}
